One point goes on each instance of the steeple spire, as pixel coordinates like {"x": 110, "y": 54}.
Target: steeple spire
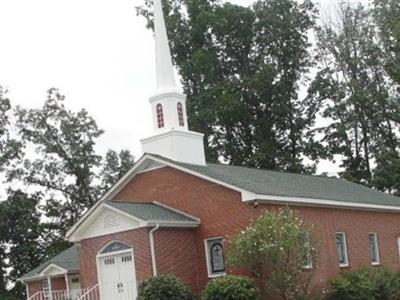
{"x": 164, "y": 69}
{"x": 172, "y": 138}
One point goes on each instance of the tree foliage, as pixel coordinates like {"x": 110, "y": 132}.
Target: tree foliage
{"x": 21, "y": 237}
{"x": 366, "y": 284}
{"x": 230, "y": 287}
{"x": 241, "y": 70}
{"x": 164, "y": 286}
{"x": 354, "y": 91}
{"x": 9, "y": 148}
{"x": 67, "y": 164}
{"x": 63, "y": 174}
{"x": 275, "y": 248}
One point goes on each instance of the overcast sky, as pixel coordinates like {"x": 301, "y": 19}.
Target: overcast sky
{"x": 97, "y": 52}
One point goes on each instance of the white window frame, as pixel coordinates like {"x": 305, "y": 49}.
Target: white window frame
{"x": 346, "y": 255}
{"x": 208, "y": 258}
{"x": 45, "y": 286}
{"x": 309, "y": 254}
{"x": 398, "y": 245}
{"x": 376, "y": 245}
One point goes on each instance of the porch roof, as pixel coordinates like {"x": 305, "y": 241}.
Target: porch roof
{"x": 67, "y": 260}
{"x": 154, "y": 213}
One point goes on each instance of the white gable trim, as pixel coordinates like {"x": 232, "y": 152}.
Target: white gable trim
{"x": 79, "y": 232}
{"x": 109, "y": 194}
{"x": 197, "y": 174}
{"x": 298, "y": 201}
{"x": 52, "y": 265}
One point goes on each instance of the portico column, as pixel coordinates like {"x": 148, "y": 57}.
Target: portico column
{"x": 67, "y": 284}
{"x": 27, "y": 290}
{"x": 50, "y": 288}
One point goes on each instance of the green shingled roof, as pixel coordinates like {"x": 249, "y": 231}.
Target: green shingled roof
{"x": 275, "y": 183}
{"x": 153, "y": 213}
{"x": 68, "y": 259}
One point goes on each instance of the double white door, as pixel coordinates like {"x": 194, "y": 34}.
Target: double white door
{"x": 118, "y": 278}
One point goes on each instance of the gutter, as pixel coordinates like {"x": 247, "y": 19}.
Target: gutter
{"x": 152, "y": 249}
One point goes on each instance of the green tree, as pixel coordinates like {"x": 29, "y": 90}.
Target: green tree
{"x": 387, "y": 17}
{"x": 275, "y": 248}
{"x": 387, "y": 172}
{"x": 21, "y": 237}
{"x": 115, "y": 165}
{"x": 65, "y": 165}
{"x": 353, "y": 89}
{"x": 241, "y": 70}
{"x": 9, "y": 148}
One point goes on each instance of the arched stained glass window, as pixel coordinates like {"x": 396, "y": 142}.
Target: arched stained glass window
{"x": 114, "y": 247}
{"x": 215, "y": 256}
{"x": 179, "y": 108}
{"x": 160, "y": 116}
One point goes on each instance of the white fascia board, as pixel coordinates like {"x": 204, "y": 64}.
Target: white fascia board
{"x": 109, "y": 194}
{"x": 62, "y": 270}
{"x": 251, "y": 197}
{"x": 197, "y": 174}
{"x": 173, "y": 224}
{"x": 74, "y": 236}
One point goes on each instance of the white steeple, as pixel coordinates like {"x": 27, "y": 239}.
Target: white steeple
{"x": 164, "y": 70}
{"x": 172, "y": 137}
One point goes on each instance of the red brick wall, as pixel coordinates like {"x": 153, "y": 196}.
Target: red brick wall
{"x": 223, "y": 214}
{"x": 57, "y": 284}
{"x": 167, "y": 243}
{"x": 34, "y": 287}
{"x": 138, "y": 239}
{"x": 176, "y": 254}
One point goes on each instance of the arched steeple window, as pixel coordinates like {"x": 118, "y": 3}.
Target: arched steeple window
{"x": 160, "y": 116}
{"x": 179, "y": 108}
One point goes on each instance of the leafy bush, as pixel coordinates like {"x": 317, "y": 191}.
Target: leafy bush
{"x": 162, "y": 287}
{"x": 275, "y": 248}
{"x": 367, "y": 284}
{"x": 230, "y": 288}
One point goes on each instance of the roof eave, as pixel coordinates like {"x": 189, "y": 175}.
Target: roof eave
{"x": 313, "y": 202}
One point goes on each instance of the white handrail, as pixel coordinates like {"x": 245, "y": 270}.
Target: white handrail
{"x": 59, "y": 295}
{"x": 34, "y": 296}
{"x": 91, "y": 294}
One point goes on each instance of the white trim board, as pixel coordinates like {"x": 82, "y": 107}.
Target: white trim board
{"x": 96, "y": 223}
{"x": 298, "y": 201}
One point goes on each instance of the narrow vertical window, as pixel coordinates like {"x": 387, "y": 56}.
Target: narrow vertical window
{"x": 160, "y": 116}
{"x": 215, "y": 257}
{"x": 373, "y": 248}
{"x": 46, "y": 289}
{"x": 307, "y": 258}
{"x": 180, "y": 114}
{"x": 342, "y": 249}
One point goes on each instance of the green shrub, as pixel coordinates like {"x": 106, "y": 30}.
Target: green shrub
{"x": 230, "y": 288}
{"x": 163, "y": 287}
{"x": 367, "y": 284}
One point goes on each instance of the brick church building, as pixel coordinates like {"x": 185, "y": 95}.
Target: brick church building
{"x": 173, "y": 213}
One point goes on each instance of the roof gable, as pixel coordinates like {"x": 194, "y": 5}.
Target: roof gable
{"x": 67, "y": 260}
{"x": 105, "y": 220}
{"x": 112, "y": 216}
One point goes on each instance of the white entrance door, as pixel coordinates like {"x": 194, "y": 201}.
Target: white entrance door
{"x": 118, "y": 279}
